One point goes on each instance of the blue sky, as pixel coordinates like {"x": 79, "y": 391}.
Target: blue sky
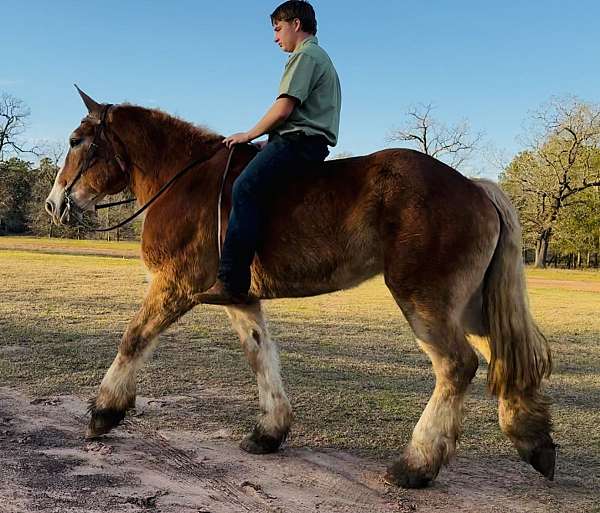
{"x": 215, "y": 63}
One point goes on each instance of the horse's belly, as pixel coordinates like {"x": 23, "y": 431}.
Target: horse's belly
{"x": 309, "y": 272}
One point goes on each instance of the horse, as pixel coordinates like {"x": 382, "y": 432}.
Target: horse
{"x": 449, "y": 249}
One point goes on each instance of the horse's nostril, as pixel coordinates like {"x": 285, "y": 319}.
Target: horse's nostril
{"x": 49, "y": 207}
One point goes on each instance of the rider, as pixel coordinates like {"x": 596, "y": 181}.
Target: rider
{"x": 301, "y": 123}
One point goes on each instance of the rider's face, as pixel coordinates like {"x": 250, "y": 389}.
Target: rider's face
{"x": 286, "y": 34}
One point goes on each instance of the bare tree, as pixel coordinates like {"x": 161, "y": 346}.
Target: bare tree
{"x": 452, "y": 144}
{"x": 13, "y": 113}
{"x": 562, "y": 160}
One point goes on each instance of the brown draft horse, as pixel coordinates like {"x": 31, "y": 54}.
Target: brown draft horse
{"x": 449, "y": 249}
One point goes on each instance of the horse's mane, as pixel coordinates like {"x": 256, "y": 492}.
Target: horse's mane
{"x": 156, "y": 129}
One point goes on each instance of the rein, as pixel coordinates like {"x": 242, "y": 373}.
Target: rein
{"x": 88, "y": 160}
{"x": 159, "y": 193}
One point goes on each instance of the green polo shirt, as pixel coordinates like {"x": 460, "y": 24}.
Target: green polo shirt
{"x": 310, "y": 77}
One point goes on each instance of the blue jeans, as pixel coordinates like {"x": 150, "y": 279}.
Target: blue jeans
{"x": 279, "y": 162}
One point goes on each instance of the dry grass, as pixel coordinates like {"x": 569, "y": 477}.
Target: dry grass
{"x": 355, "y": 376}
{"x": 71, "y": 246}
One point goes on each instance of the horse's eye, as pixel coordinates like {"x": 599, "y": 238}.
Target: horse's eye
{"x": 74, "y": 142}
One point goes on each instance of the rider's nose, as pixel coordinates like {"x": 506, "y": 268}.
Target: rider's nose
{"x": 49, "y": 207}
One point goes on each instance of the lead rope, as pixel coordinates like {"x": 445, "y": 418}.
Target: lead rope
{"x": 219, "y": 220}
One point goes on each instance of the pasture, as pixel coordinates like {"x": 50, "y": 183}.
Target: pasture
{"x": 355, "y": 377}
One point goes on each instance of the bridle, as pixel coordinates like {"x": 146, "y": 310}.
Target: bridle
{"x": 91, "y": 152}
{"x": 102, "y": 128}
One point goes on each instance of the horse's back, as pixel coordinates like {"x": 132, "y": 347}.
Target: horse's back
{"x": 337, "y": 225}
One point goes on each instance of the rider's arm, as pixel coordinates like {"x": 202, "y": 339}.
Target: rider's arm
{"x": 277, "y": 113}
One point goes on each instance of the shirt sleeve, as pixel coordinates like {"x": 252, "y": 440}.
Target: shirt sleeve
{"x": 298, "y": 76}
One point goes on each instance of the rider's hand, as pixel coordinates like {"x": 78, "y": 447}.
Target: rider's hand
{"x": 239, "y": 138}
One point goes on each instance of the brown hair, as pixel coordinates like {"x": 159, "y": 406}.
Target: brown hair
{"x": 293, "y": 9}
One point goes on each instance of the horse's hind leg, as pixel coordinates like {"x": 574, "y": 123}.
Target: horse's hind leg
{"x": 454, "y": 363}
{"x": 164, "y": 303}
{"x": 274, "y": 423}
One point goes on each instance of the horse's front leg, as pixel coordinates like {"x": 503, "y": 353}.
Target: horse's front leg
{"x": 164, "y": 304}
{"x": 274, "y": 423}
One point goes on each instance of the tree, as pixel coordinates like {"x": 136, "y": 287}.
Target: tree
{"x": 577, "y": 230}
{"x": 41, "y": 183}
{"x": 13, "y": 113}
{"x": 14, "y": 194}
{"x": 562, "y": 161}
{"x": 451, "y": 144}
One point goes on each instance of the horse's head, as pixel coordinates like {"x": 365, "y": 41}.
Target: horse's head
{"x": 96, "y": 165}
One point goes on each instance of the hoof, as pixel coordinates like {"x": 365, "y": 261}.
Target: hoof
{"x": 399, "y": 474}
{"x": 542, "y": 459}
{"x": 259, "y": 442}
{"x": 102, "y": 420}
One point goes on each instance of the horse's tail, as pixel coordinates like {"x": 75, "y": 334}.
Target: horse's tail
{"x": 520, "y": 354}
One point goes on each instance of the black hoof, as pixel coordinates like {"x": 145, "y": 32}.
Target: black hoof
{"x": 399, "y": 474}
{"x": 259, "y": 442}
{"x": 102, "y": 420}
{"x": 543, "y": 459}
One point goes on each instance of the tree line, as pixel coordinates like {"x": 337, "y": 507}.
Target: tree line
{"x": 24, "y": 185}
{"x": 554, "y": 182}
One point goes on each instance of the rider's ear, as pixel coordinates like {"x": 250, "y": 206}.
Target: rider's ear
{"x": 92, "y": 105}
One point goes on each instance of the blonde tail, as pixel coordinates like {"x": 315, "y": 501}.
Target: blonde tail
{"x": 520, "y": 354}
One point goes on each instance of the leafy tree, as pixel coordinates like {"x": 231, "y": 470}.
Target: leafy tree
{"x": 561, "y": 162}
{"x": 14, "y": 194}
{"x": 577, "y": 231}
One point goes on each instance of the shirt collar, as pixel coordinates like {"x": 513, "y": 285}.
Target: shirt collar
{"x": 307, "y": 41}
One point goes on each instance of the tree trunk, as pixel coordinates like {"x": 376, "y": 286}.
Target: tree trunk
{"x": 541, "y": 250}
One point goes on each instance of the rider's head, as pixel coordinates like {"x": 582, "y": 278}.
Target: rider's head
{"x": 293, "y": 21}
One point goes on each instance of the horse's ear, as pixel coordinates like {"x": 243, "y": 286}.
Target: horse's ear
{"x": 92, "y": 105}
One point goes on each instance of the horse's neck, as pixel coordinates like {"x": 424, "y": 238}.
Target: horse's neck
{"x": 153, "y": 164}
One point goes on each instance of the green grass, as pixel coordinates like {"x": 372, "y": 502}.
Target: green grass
{"x": 355, "y": 376}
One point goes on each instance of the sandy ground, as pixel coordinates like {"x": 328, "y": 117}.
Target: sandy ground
{"x": 47, "y": 466}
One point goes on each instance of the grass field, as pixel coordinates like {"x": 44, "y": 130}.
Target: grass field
{"x": 355, "y": 377}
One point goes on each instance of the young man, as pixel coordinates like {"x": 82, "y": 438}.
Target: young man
{"x": 301, "y": 123}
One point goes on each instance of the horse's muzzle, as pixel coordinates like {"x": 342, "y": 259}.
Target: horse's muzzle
{"x": 58, "y": 208}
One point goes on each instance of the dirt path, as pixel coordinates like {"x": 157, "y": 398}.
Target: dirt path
{"x": 48, "y": 467}
{"x": 589, "y": 286}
